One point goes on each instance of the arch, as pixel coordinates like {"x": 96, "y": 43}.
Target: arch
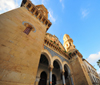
{"x": 42, "y": 74}
{"x": 67, "y": 65}
{"x": 48, "y": 55}
{"x": 25, "y": 23}
{"x": 44, "y": 60}
{"x": 43, "y": 78}
{"x": 69, "y": 71}
{"x": 58, "y": 60}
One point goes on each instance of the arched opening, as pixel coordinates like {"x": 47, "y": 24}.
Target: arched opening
{"x": 23, "y": 2}
{"x": 53, "y": 79}
{"x": 43, "y": 70}
{"x": 56, "y": 65}
{"x": 44, "y": 60}
{"x": 69, "y": 43}
{"x": 56, "y": 72}
{"x": 66, "y": 73}
{"x": 27, "y": 30}
{"x": 28, "y": 27}
{"x": 43, "y": 78}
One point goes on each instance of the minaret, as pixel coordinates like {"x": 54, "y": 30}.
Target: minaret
{"x": 68, "y": 43}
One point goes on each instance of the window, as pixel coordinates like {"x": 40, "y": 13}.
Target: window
{"x": 70, "y": 44}
{"x": 28, "y": 27}
{"x": 29, "y": 5}
{"x": 33, "y": 9}
{"x": 27, "y": 30}
{"x": 89, "y": 68}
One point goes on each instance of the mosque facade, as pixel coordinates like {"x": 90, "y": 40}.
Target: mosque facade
{"x": 31, "y": 56}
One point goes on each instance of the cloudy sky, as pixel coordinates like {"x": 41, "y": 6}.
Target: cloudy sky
{"x": 78, "y": 18}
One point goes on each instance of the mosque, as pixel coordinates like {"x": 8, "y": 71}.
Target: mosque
{"x": 31, "y": 56}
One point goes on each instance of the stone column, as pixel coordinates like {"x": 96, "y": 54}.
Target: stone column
{"x": 63, "y": 78}
{"x": 70, "y": 78}
{"x": 51, "y": 67}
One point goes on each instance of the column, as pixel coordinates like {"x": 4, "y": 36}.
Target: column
{"x": 38, "y": 15}
{"x": 70, "y": 78}
{"x": 63, "y": 78}
{"x": 51, "y": 67}
{"x": 30, "y": 8}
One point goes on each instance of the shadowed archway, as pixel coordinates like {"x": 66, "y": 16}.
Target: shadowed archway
{"x": 53, "y": 79}
{"x": 43, "y": 78}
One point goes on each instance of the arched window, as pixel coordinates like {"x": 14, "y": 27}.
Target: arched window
{"x": 28, "y": 28}
{"x": 89, "y": 68}
{"x": 29, "y": 5}
{"x": 23, "y": 2}
{"x": 70, "y": 44}
{"x": 94, "y": 79}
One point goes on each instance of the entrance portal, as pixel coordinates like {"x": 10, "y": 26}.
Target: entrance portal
{"x": 43, "y": 79}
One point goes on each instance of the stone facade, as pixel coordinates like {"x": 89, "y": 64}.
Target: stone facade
{"x": 30, "y": 56}
{"x": 92, "y": 73}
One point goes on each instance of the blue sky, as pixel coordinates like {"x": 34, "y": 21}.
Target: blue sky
{"x": 80, "y": 19}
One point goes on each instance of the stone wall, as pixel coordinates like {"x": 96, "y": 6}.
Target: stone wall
{"x": 79, "y": 72}
{"x": 19, "y": 52}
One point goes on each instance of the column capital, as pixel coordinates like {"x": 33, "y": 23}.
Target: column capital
{"x": 51, "y": 67}
{"x": 63, "y": 72}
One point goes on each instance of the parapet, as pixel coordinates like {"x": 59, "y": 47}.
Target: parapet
{"x": 43, "y": 10}
{"x": 39, "y": 11}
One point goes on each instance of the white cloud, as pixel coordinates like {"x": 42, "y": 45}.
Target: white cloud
{"x": 85, "y": 12}
{"x": 93, "y": 58}
{"x": 42, "y": 1}
{"x": 63, "y": 6}
{"x": 6, "y": 5}
{"x": 61, "y": 1}
{"x": 51, "y": 15}
{"x": 37, "y": 2}
{"x": 98, "y": 71}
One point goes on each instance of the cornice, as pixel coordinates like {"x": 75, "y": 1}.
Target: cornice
{"x": 35, "y": 12}
{"x": 55, "y": 47}
{"x": 69, "y": 54}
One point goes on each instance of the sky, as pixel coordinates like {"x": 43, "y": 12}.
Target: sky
{"x": 80, "y": 19}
